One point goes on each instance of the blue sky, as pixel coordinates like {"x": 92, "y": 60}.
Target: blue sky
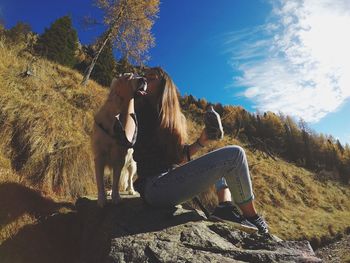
{"x": 283, "y": 56}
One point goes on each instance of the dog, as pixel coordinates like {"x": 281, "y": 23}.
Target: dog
{"x": 107, "y": 150}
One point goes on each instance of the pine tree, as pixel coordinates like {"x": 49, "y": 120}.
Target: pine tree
{"x": 124, "y": 66}
{"x": 105, "y": 67}
{"x": 59, "y": 42}
{"x": 2, "y": 27}
{"x": 19, "y": 32}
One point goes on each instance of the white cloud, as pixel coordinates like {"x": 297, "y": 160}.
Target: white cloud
{"x": 299, "y": 61}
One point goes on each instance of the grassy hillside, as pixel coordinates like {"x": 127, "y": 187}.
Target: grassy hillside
{"x": 45, "y": 126}
{"x": 46, "y": 123}
{"x": 296, "y": 204}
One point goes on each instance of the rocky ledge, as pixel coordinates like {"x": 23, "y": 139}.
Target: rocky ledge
{"x": 135, "y": 232}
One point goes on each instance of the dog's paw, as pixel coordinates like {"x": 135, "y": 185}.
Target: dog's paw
{"x": 131, "y": 192}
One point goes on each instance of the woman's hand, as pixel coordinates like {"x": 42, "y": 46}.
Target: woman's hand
{"x": 201, "y": 142}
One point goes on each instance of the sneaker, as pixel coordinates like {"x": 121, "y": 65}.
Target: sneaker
{"x": 260, "y": 223}
{"x": 230, "y": 214}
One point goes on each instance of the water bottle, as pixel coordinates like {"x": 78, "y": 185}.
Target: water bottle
{"x": 213, "y": 124}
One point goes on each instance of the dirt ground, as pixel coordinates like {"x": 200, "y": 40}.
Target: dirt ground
{"x": 337, "y": 252}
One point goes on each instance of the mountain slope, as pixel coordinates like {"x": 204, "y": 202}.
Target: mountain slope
{"x": 45, "y": 127}
{"x": 46, "y": 123}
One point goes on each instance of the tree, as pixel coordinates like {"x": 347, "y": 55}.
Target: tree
{"x": 292, "y": 139}
{"x": 105, "y": 66}
{"x": 59, "y": 42}
{"x": 247, "y": 125}
{"x": 129, "y": 24}
{"x": 340, "y": 147}
{"x": 229, "y": 119}
{"x": 19, "y": 32}
{"x": 2, "y": 27}
{"x": 123, "y": 66}
{"x": 306, "y": 151}
{"x": 202, "y": 103}
{"x": 269, "y": 126}
{"x": 345, "y": 165}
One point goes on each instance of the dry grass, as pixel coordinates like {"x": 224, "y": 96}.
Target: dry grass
{"x": 296, "y": 204}
{"x": 11, "y": 229}
{"x": 46, "y": 123}
{"x": 45, "y": 128}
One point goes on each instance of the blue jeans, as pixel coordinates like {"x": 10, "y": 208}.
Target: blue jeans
{"x": 224, "y": 167}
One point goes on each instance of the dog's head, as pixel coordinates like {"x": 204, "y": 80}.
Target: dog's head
{"x": 138, "y": 86}
{"x": 138, "y": 83}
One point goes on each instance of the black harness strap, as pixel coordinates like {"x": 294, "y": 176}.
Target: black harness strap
{"x": 105, "y": 130}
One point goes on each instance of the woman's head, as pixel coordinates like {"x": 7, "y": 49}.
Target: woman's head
{"x": 164, "y": 93}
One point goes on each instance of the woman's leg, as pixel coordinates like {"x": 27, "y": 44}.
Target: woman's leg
{"x": 196, "y": 176}
{"x": 224, "y": 196}
{"x": 226, "y": 209}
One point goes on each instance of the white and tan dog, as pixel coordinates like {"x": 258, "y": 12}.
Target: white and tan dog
{"x": 107, "y": 150}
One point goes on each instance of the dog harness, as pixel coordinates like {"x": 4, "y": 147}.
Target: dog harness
{"x": 119, "y": 132}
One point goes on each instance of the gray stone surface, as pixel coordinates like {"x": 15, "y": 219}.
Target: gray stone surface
{"x": 135, "y": 232}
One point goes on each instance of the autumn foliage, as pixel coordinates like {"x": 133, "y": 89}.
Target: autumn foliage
{"x": 280, "y": 135}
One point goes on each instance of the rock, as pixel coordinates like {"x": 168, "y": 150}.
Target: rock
{"x": 135, "y": 232}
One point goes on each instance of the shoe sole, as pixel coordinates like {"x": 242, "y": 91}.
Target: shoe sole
{"x": 245, "y": 228}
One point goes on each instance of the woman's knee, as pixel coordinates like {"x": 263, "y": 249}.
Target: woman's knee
{"x": 235, "y": 150}
{"x": 236, "y": 154}
{"x": 229, "y": 152}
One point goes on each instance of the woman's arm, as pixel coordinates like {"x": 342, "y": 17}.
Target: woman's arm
{"x": 200, "y": 143}
{"x": 213, "y": 131}
{"x": 126, "y": 119}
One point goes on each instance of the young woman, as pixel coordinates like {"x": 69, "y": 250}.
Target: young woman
{"x": 167, "y": 176}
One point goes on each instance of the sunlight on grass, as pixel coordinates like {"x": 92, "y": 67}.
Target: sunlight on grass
{"x": 46, "y": 123}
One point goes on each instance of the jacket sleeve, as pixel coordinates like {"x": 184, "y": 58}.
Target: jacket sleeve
{"x": 119, "y": 132}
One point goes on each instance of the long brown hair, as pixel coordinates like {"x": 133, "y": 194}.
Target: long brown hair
{"x": 173, "y": 128}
